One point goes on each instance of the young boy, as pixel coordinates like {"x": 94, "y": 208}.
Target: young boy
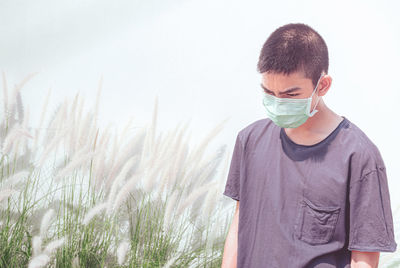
{"x": 312, "y": 186}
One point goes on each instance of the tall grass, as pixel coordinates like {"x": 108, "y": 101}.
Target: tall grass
{"x": 75, "y": 195}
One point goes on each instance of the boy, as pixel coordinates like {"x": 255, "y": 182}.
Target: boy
{"x": 312, "y": 186}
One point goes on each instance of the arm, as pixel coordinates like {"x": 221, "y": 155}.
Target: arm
{"x": 363, "y": 259}
{"x": 229, "y": 257}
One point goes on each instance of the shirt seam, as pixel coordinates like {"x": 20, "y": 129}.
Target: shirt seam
{"x": 380, "y": 196}
{"x": 390, "y": 247}
{"x": 233, "y": 194}
{"x": 365, "y": 174}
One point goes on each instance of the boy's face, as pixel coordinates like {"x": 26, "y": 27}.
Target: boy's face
{"x": 294, "y": 85}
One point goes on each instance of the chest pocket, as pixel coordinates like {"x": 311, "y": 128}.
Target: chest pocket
{"x": 316, "y": 224}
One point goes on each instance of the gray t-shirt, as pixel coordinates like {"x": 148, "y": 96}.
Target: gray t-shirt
{"x": 308, "y": 205}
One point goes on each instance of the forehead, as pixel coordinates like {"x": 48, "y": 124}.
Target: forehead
{"x": 274, "y": 81}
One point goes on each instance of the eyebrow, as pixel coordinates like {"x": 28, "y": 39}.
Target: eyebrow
{"x": 283, "y": 92}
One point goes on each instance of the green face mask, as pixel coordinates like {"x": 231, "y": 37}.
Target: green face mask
{"x": 288, "y": 112}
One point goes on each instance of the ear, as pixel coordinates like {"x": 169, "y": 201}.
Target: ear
{"x": 324, "y": 85}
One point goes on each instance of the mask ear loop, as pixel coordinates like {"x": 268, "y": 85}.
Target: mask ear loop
{"x": 314, "y": 110}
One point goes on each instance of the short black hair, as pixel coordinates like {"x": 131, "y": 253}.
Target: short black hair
{"x": 295, "y": 47}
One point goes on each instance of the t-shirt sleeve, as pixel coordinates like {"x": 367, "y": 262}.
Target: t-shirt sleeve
{"x": 232, "y": 186}
{"x": 371, "y": 222}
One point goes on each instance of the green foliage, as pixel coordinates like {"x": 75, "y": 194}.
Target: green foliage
{"x": 71, "y": 194}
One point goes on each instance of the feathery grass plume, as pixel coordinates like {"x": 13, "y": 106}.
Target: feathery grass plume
{"x": 37, "y": 245}
{"x": 209, "y": 203}
{"x": 25, "y": 128}
{"x": 12, "y": 140}
{"x": 25, "y": 120}
{"x": 177, "y": 162}
{"x": 210, "y": 167}
{"x": 4, "y": 194}
{"x": 41, "y": 120}
{"x": 57, "y": 121}
{"x": 53, "y": 245}
{"x": 96, "y": 136}
{"x": 193, "y": 263}
{"x": 154, "y": 125}
{"x": 192, "y": 170}
{"x": 167, "y": 179}
{"x": 75, "y": 263}
{"x": 97, "y": 145}
{"x": 121, "y": 177}
{"x": 46, "y": 222}
{"x": 77, "y": 142}
{"x": 126, "y": 189}
{"x": 125, "y": 130}
{"x": 105, "y": 136}
{"x": 153, "y": 167}
{"x": 204, "y": 176}
{"x": 17, "y": 88}
{"x": 158, "y": 145}
{"x": 74, "y": 105}
{"x": 50, "y": 131}
{"x": 199, "y": 175}
{"x": 51, "y": 146}
{"x": 74, "y": 161}
{"x": 211, "y": 238}
{"x": 60, "y": 117}
{"x": 20, "y": 107}
{"x": 77, "y": 162}
{"x": 60, "y": 125}
{"x": 132, "y": 148}
{"x": 93, "y": 212}
{"x": 165, "y": 159}
{"x": 193, "y": 196}
{"x": 148, "y": 143}
{"x": 152, "y": 172}
{"x": 170, "y": 261}
{"x": 39, "y": 261}
{"x": 73, "y": 114}
{"x": 112, "y": 157}
{"x": 169, "y": 210}
{"x": 96, "y": 107}
{"x": 146, "y": 148}
{"x": 5, "y": 95}
{"x": 122, "y": 174}
{"x": 15, "y": 178}
{"x": 121, "y": 251}
{"x": 172, "y": 144}
{"x": 195, "y": 158}
{"x": 85, "y": 132}
{"x": 203, "y": 145}
{"x": 99, "y": 166}
{"x": 93, "y": 132}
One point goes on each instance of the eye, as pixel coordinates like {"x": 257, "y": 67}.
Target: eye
{"x": 266, "y": 92}
{"x": 293, "y": 94}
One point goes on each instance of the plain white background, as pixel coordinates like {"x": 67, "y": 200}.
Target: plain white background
{"x": 199, "y": 58}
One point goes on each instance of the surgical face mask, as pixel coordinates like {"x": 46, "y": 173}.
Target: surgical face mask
{"x": 289, "y": 112}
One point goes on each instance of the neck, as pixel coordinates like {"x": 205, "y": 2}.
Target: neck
{"x": 316, "y": 123}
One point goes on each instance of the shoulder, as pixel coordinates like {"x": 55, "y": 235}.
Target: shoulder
{"x": 365, "y": 153}
{"x": 255, "y": 128}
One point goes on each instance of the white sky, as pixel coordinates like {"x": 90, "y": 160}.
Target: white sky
{"x": 199, "y": 58}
